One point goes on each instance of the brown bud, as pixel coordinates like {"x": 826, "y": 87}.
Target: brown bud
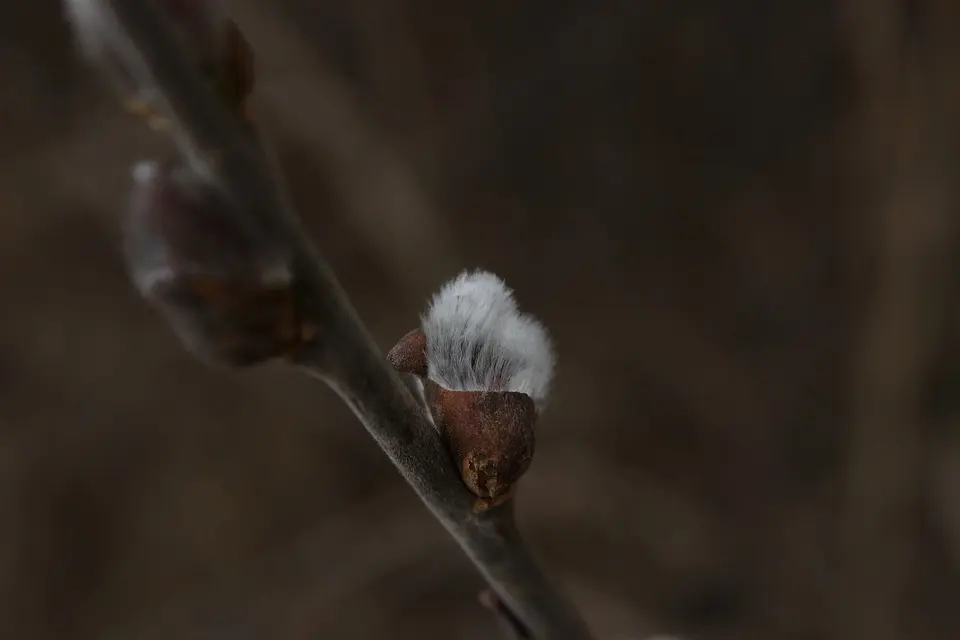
{"x": 227, "y": 291}
{"x": 409, "y": 355}
{"x": 489, "y": 434}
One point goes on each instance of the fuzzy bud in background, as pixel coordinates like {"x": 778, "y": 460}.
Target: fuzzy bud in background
{"x": 486, "y": 370}
{"x": 227, "y": 292}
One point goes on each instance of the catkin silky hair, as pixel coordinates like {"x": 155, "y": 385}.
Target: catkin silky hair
{"x": 477, "y": 340}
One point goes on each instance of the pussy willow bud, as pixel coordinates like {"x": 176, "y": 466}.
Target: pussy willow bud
{"x": 227, "y": 292}
{"x": 486, "y": 370}
{"x": 212, "y": 40}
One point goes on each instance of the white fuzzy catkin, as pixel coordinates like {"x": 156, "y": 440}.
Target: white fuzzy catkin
{"x": 477, "y": 340}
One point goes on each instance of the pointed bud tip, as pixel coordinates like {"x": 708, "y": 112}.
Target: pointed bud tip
{"x": 409, "y": 355}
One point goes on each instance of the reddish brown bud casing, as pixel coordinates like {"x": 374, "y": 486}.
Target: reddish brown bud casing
{"x": 489, "y": 433}
{"x": 410, "y": 354}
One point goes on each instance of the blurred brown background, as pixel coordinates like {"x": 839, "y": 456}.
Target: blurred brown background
{"x": 737, "y": 218}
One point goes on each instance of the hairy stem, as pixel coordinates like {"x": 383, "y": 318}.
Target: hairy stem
{"x": 340, "y": 350}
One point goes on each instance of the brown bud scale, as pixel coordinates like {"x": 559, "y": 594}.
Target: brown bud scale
{"x": 489, "y": 433}
{"x": 409, "y": 355}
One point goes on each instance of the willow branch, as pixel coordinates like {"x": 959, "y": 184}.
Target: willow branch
{"x": 336, "y": 347}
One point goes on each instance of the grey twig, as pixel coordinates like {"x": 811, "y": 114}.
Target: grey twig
{"x": 334, "y": 344}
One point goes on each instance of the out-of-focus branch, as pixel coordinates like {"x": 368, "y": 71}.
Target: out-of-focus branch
{"x": 333, "y": 343}
{"x": 904, "y": 186}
